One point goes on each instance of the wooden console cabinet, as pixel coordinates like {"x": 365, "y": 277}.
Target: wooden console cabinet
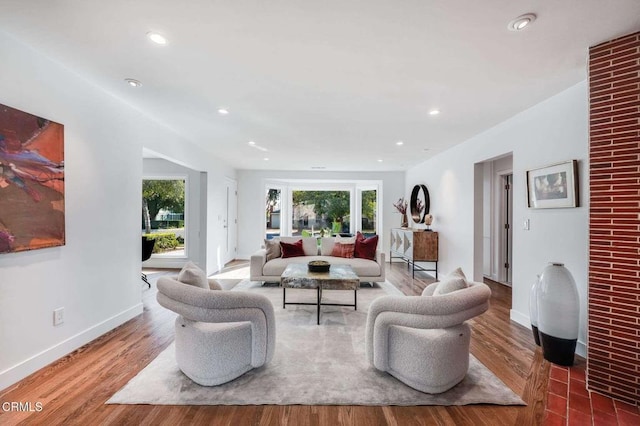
{"x": 415, "y": 246}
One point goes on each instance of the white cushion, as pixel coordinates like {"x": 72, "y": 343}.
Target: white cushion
{"x": 273, "y": 248}
{"x": 456, "y": 280}
{"x": 309, "y": 244}
{"x": 214, "y": 284}
{"x": 345, "y": 240}
{"x": 193, "y": 275}
{"x": 326, "y": 245}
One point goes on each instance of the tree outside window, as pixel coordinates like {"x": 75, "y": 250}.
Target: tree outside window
{"x": 163, "y": 213}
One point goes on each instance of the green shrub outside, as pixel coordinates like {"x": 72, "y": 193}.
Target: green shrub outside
{"x": 165, "y": 241}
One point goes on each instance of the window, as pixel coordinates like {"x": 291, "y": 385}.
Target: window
{"x": 273, "y": 212}
{"x": 322, "y": 207}
{"x": 163, "y": 215}
{"x": 369, "y": 212}
{"x": 320, "y": 213}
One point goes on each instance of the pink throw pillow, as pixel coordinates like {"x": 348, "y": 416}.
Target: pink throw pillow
{"x": 343, "y": 250}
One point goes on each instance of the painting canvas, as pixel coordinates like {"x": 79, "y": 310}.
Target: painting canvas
{"x": 554, "y": 186}
{"x": 31, "y": 181}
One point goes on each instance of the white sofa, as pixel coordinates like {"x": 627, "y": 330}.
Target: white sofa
{"x": 367, "y": 270}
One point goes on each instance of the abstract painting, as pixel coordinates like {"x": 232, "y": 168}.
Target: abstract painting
{"x": 31, "y": 182}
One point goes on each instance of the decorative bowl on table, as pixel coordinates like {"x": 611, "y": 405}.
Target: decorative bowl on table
{"x": 319, "y": 266}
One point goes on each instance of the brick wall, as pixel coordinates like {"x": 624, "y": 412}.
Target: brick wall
{"x": 613, "y": 362}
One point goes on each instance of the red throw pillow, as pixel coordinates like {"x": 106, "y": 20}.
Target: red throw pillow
{"x": 343, "y": 250}
{"x": 366, "y": 247}
{"x": 292, "y": 250}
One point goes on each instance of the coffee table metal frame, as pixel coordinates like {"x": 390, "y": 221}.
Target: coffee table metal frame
{"x": 340, "y": 277}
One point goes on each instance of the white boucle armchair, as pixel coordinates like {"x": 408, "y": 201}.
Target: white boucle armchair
{"x": 423, "y": 341}
{"x": 220, "y": 335}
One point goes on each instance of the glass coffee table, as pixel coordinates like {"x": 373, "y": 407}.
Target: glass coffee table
{"x": 339, "y": 277}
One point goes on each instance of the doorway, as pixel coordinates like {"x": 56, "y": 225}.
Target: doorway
{"x": 230, "y": 220}
{"x": 179, "y": 220}
{"x": 497, "y": 218}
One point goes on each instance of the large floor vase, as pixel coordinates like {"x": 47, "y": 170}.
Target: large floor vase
{"x": 558, "y": 314}
{"x": 533, "y": 310}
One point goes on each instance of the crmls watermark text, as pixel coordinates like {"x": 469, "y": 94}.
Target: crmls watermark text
{"x": 21, "y": 406}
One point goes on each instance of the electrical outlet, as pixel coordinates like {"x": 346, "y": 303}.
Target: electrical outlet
{"x": 58, "y": 316}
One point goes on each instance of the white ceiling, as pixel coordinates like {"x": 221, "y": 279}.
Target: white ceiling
{"x": 329, "y": 83}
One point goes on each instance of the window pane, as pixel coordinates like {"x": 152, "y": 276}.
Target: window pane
{"x": 273, "y": 213}
{"x": 163, "y": 215}
{"x": 369, "y": 212}
{"x": 320, "y": 213}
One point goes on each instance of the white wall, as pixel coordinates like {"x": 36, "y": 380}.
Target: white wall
{"x": 96, "y": 275}
{"x": 157, "y": 167}
{"x": 554, "y": 130}
{"x": 251, "y": 202}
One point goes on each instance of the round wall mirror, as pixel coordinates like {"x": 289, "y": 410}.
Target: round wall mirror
{"x": 419, "y": 197}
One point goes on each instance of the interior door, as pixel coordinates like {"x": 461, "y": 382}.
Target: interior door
{"x": 230, "y": 220}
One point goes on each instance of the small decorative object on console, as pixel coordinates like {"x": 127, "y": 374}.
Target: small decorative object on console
{"x": 401, "y": 206}
{"x": 319, "y": 266}
{"x": 428, "y": 220}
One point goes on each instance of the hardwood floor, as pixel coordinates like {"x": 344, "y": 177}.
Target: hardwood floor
{"x": 74, "y": 389}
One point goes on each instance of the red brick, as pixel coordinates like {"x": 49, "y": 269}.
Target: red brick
{"x": 559, "y": 374}
{"x": 623, "y": 406}
{"x": 579, "y": 418}
{"x": 579, "y": 403}
{"x": 628, "y": 419}
{"x": 553, "y": 419}
{"x": 557, "y": 404}
{"x": 578, "y": 387}
{"x": 614, "y": 235}
{"x": 603, "y": 419}
{"x": 558, "y": 388}
{"x": 602, "y": 403}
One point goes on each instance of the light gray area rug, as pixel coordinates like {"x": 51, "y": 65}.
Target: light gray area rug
{"x": 313, "y": 365}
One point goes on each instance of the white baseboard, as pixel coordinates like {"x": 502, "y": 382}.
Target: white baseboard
{"x": 523, "y": 320}
{"x": 520, "y": 318}
{"x": 21, "y": 370}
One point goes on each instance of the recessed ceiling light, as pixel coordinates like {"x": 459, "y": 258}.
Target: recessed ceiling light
{"x": 521, "y": 22}
{"x": 223, "y": 111}
{"x": 156, "y": 38}
{"x": 252, "y": 144}
{"x": 379, "y": 160}
{"x": 266, "y": 159}
{"x": 133, "y": 82}
{"x": 434, "y": 112}
{"x": 399, "y": 143}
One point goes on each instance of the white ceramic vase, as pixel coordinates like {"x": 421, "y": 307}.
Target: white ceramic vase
{"x": 533, "y": 309}
{"x": 558, "y": 314}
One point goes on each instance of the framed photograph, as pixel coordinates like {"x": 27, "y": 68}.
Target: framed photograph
{"x": 554, "y": 186}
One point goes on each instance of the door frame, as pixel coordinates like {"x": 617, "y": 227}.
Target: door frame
{"x": 504, "y": 250}
{"x": 230, "y": 220}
